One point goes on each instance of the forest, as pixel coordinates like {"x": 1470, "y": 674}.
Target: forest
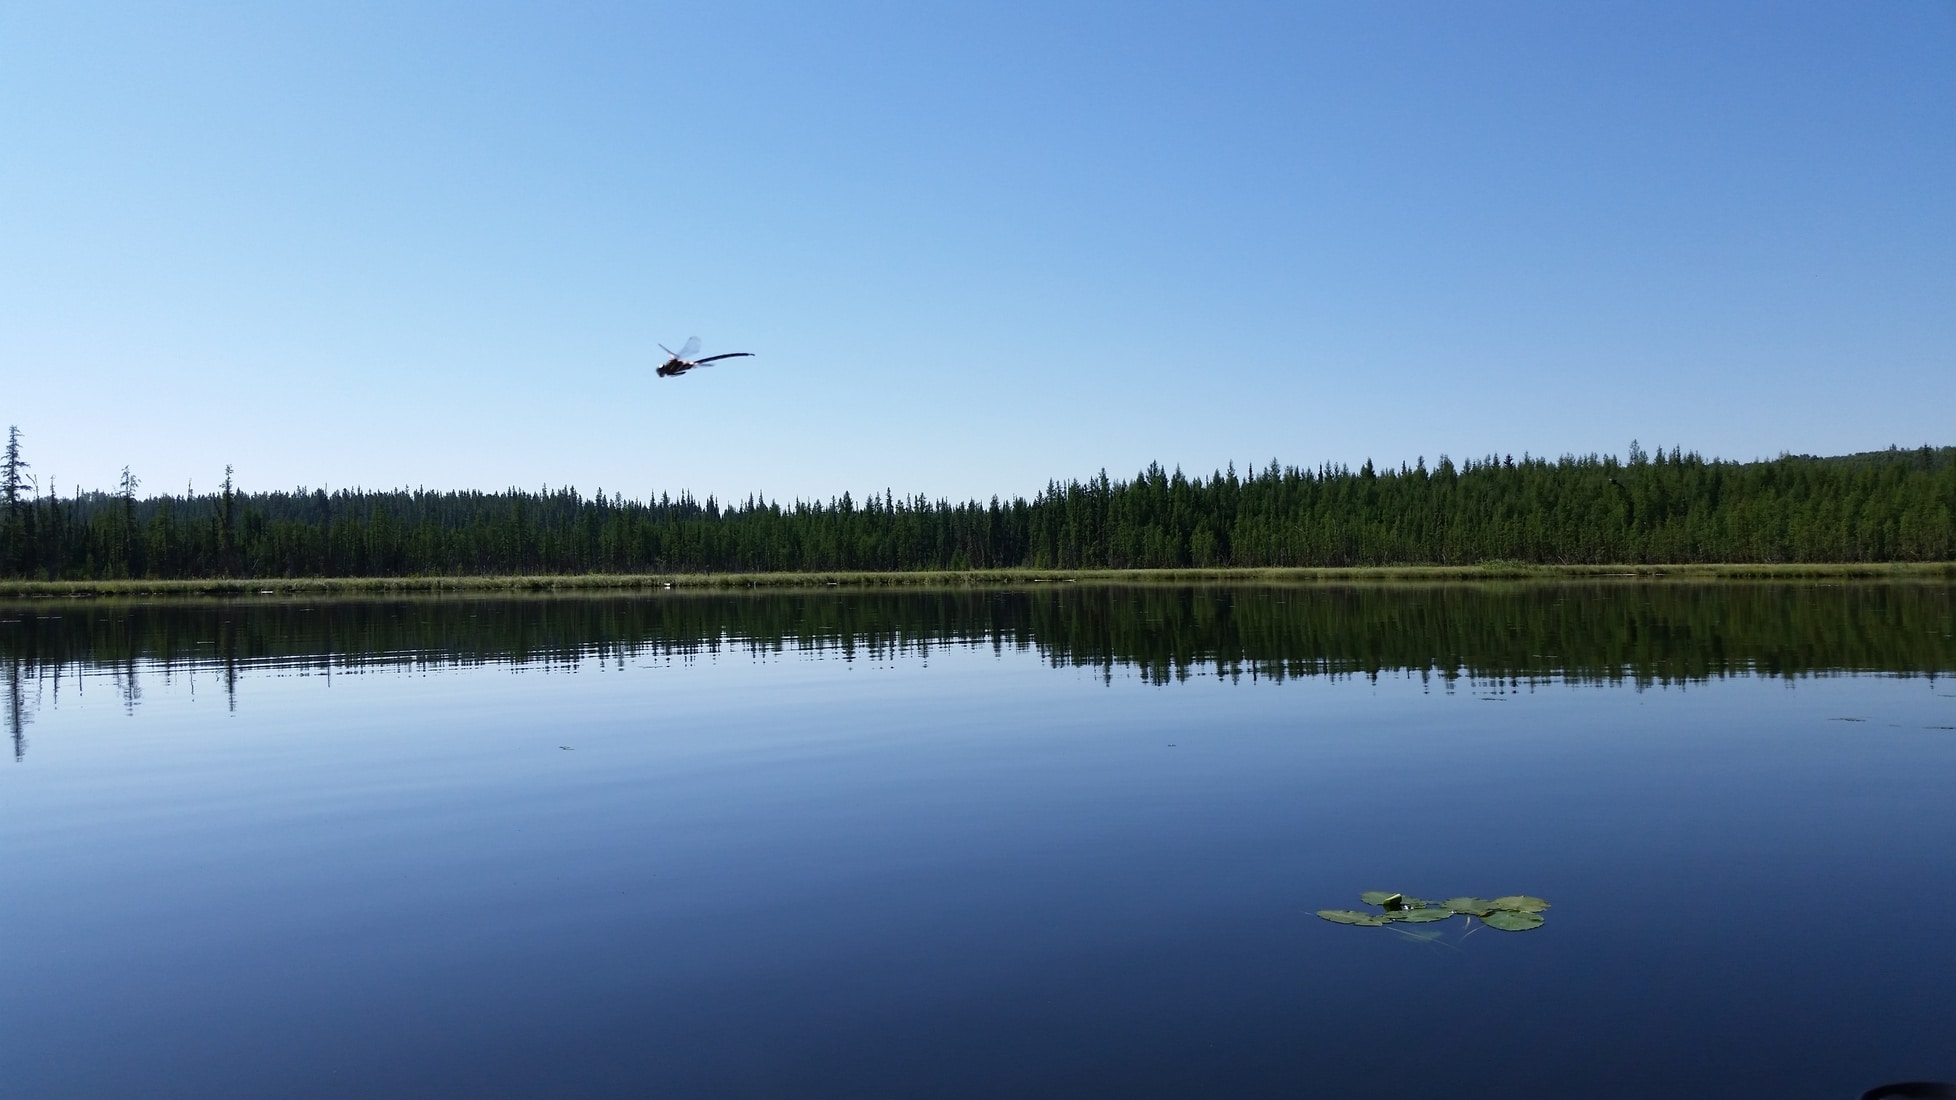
{"x": 1670, "y": 507}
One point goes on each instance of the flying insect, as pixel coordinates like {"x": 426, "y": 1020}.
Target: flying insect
{"x": 683, "y": 360}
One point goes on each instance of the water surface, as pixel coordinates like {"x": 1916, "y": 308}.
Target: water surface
{"x": 1057, "y": 841}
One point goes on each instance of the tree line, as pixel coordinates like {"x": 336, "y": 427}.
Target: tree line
{"x": 1656, "y": 507}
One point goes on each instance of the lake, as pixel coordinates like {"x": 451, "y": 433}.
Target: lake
{"x": 1064, "y": 840}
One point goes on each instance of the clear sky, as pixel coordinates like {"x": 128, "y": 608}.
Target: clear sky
{"x": 974, "y": 246}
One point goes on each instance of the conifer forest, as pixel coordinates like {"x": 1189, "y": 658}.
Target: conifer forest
{"x": 1669, "y": 507}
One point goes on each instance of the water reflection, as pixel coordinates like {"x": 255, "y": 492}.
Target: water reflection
{"x": 766, "y": 871}
{"x": 1486, "y": 635}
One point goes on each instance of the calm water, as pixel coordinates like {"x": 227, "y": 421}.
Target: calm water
{"x": 1059, "y": 842}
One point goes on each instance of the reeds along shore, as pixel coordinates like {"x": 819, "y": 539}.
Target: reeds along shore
{"x": 1492, "y": 514}
{"x": 1494, "y": 572}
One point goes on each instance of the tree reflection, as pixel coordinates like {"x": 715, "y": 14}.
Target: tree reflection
{"x": 16, "y": 704}
{"x": 1489, "y": 637}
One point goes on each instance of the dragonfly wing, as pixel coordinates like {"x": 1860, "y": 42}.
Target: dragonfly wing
{"x": 691, "y": 349}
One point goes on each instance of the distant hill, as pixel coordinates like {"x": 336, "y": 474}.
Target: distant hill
{"x": 1925, "y": 456}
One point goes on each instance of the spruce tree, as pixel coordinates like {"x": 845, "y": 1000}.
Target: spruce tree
{"x": 127, "y": 489}
{"x": 226, "y": 524}
{"x": 14, "y": 543}
{"x": 12, "y": 480}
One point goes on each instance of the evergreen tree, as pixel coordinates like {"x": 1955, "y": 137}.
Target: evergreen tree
{"x": 15, "y": 533}
{"x": 12, "y": 477}
{"x": 226, "y": 525}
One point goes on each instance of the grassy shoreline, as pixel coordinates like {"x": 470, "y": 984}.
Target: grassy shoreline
{"x": 982, "y": 578}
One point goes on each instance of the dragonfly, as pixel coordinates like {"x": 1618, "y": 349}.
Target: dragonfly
{"x": 684, "y": 359}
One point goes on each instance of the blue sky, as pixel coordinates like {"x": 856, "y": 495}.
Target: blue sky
{"x": 974, "y": 247}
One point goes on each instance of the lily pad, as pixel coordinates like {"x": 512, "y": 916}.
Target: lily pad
{"x": 1473, "y": 907}
{"x": 1420, "y": 916}
{"x": 1520, "y": 903}
{"x": 1512, "y": 920}
{"x": 1380, "y": 897}
{"x": 1349, "y": 916}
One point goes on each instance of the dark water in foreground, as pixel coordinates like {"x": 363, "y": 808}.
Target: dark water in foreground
{"x": 1061, "y": 842}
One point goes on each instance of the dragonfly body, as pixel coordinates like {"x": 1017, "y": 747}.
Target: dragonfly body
{"x": 683, "y": 360}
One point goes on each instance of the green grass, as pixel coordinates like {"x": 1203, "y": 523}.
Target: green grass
{"x": 1492, "y": 571}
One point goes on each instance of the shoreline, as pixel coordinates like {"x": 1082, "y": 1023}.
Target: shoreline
{"x": 222, "y": 587}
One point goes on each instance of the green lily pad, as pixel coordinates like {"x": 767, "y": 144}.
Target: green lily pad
{"x": 1348, "y": 916}
{"x": 1473, "y": 907}
{"x": 1420, "y": 916}
{"x": 1520, "y": 903}
{"x": 1379, "y": 897}
{"x": 1512, "y": 920}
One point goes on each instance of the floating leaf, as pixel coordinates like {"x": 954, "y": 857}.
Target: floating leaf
{"x": 1348, "y": 916}
{"x": 1513, "y": 913}
{"x": 1512, "y": 920}
{"x": 1393, "y": 902}
{"x": 1420, "y": 916}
